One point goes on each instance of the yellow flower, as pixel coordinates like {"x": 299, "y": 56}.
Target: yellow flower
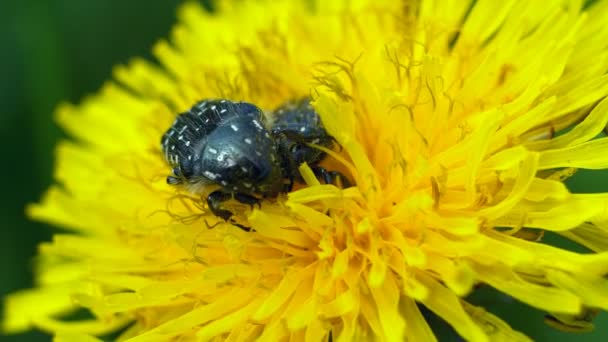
{"x": 457, "y": 120}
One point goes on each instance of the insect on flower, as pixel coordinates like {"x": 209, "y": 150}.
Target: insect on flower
{"x": 231, "y": 144}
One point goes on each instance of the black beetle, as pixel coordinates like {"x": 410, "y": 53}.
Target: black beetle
{"x": 296, "y": 125}
{"x": 231, "y": 144}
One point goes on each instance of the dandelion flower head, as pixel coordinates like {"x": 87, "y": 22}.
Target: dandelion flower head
{"x": 457, "y": 122}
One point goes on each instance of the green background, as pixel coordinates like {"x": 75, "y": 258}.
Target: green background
{"x": 61, "y": 50}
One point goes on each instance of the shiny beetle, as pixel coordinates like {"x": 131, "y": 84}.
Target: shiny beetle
{"x": 231, "y": 144}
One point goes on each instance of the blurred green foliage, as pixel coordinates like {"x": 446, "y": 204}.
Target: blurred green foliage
{"x": 52, "y": 51}
{"x": 61, "y": 50}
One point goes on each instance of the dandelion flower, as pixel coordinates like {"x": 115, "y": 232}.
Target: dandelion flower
{"x": 457, "y": 123}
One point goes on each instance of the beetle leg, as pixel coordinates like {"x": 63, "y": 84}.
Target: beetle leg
{"x": 331, "y": 177}
{"x": 247, "y": 199}
{"x": 336, "y": 142}
{"x": 172, "y": 180}
{"x": 215, "y": 200}
{"x": 289, "y": 186}
{"x": 175, "y": 178}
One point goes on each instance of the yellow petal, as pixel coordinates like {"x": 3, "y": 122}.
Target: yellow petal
{"x": 445, "y": 304}
{"x": 588, "y": 155}
{"x": 494, "y": 327}
{"x": 416, "y": 325}
{"x": 542, "y": 297}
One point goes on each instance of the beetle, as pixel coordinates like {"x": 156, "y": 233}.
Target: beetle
{"x": 296, "y": 126}
{"x": 233, "y": 145}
